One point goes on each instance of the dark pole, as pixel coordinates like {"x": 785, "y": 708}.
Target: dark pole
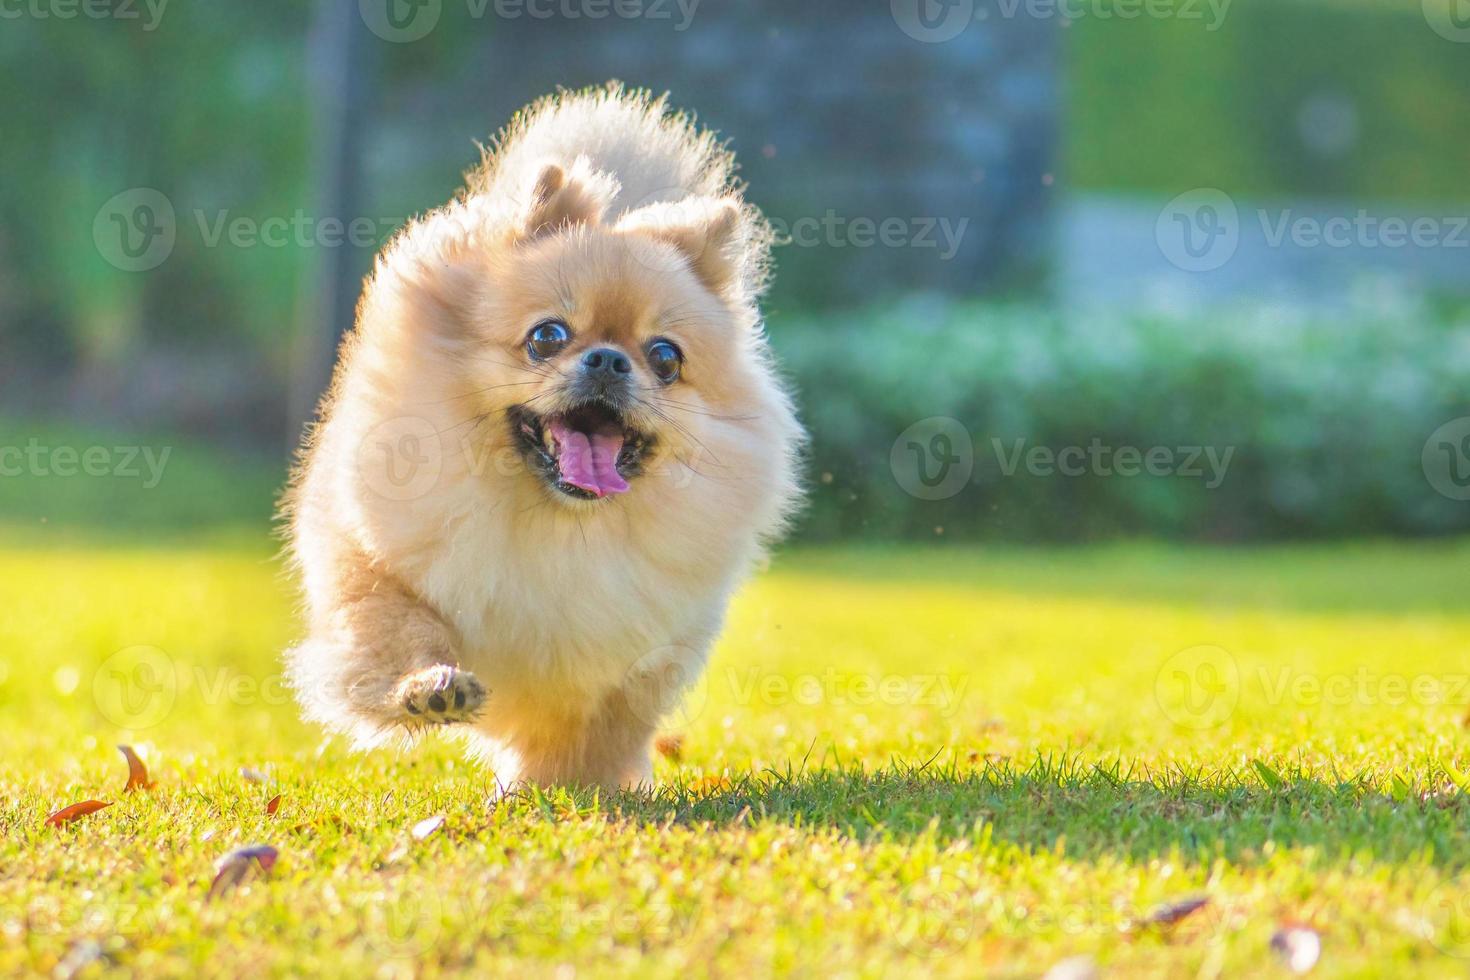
{"x": 338, "y": 72}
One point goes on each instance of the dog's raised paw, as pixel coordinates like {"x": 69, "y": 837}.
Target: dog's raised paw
{"x": 440, "y": 695}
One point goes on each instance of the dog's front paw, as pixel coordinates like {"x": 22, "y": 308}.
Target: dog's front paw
{"x": 440, "y": 695}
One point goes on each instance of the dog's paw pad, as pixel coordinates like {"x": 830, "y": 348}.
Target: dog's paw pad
{"x": 441, "y": 695}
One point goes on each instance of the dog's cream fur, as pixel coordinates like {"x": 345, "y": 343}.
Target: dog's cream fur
{"x": 447, "y": 583}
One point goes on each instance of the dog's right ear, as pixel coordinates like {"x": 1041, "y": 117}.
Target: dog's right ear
{"x": 563, "y": 198}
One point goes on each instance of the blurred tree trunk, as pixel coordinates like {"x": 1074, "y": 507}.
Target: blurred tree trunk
{"x": 338, "y": 65}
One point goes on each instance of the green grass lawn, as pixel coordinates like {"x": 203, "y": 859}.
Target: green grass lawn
{"x": 944, "y": 762}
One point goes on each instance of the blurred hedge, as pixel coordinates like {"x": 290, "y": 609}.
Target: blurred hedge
{"x": 1328, "y": 416}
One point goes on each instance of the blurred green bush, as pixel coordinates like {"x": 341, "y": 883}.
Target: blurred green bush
{"x": 1287, "y": 97}
{"x": 1325, "y": 416}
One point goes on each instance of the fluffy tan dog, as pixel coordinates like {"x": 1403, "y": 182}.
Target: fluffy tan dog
{"x": 553, "y": 447}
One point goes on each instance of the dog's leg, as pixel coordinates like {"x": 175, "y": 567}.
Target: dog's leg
{"x": 381, "y": 660}
{"x": 611, "y": 749}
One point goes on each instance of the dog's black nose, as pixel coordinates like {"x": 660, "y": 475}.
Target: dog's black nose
{"x": 605, "y": 361}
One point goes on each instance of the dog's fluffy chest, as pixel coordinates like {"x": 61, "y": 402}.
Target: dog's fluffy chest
{"x": 569, "y": 620}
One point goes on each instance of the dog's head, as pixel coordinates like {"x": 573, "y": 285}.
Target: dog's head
{"x": 616, "y": 358}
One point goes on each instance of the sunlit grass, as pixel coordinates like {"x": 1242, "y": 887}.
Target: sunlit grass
{"x": 937, "y": 761}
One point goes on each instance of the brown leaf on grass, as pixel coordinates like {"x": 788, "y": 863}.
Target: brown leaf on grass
{"x": 671, "y": 747}
{"x": 239, "y": 864}
{"x": 1174, "y": 913}
{"x": 69, "y": 813}
{"x": 428, "y": 826}
{"x": 1298, "y": 947}
{"x": 137, "y": 772}
{"x": 273, "y": 805}
{"x": 321, "y": 821}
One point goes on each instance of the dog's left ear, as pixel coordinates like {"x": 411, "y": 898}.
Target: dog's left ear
{"x": 562, "y": 198}
{"x": 709, "y": 232}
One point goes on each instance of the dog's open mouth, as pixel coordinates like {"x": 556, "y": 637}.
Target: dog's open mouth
{"x": 589, "y": 452}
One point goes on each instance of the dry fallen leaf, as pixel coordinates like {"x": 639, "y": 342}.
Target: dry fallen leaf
{"x": 235, "y": 866}
{"x": 1298, "y": 946}
{"x": 670, "y": 747}
{"x": 137, "y": 772}
{"x": 69, "y": 813}
{"x": 272, "y": 806}
{"x": 1175, "y": 912}
{"x": 426, "y": 827}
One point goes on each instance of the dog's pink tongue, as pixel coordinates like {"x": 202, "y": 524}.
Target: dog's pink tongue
{"x": 590, "y": 462}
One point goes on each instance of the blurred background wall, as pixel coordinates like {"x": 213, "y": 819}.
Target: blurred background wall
{"x": 1065, "y": 222}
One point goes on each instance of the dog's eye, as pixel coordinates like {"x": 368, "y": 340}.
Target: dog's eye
{"x": 665, "y": 359}
{"x": 548, "y": 339}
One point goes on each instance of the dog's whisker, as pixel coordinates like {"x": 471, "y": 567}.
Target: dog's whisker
{"x": 478, "y": 391}
{"x": 679, "y": 428}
